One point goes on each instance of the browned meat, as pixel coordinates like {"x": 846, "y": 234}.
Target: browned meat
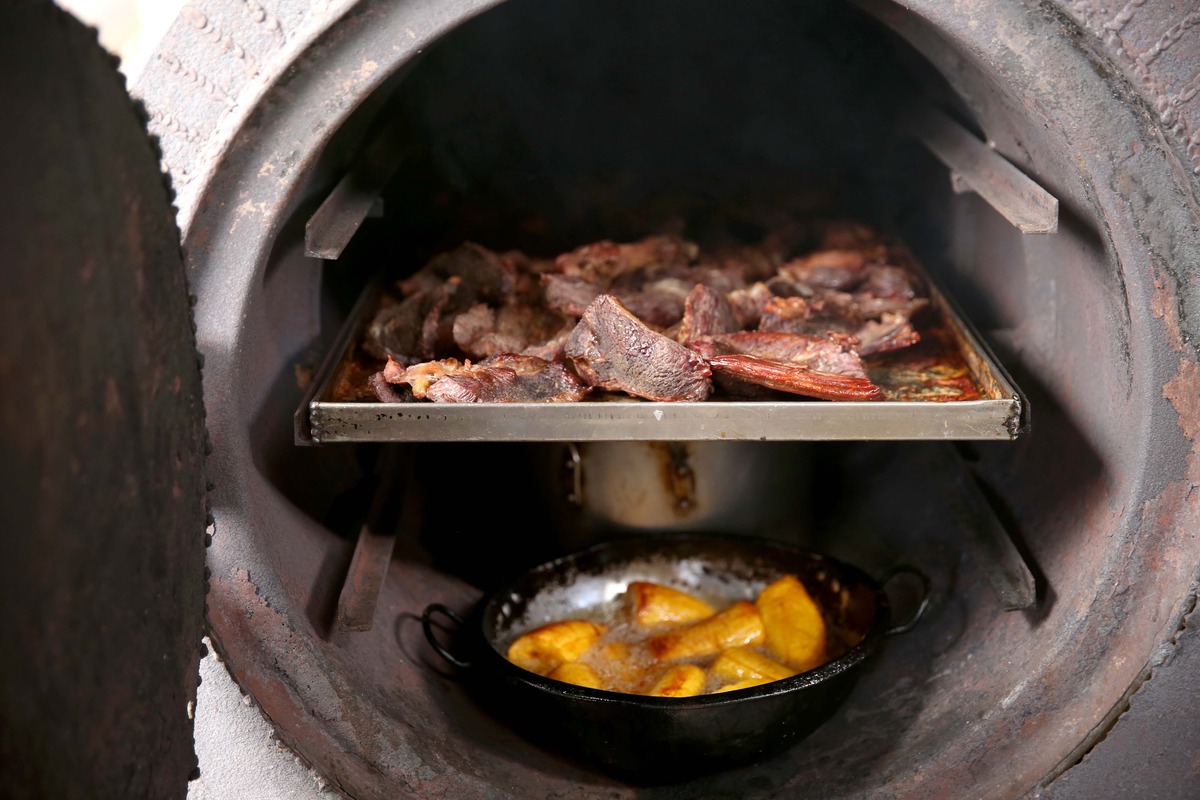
{"x": 570, "y": 294}
{"x": 829, "y": 269}
{"x": 395, "y": 332}
{"x": 419, "y": 376}
{"x": 507, "y": 378}
{"x": 848, "y": 234}
{"x": 793, "y": 313}
{"x": 447, "y": 301}
{"x": 787, "y": 314}
{"x": 832, "y": 353}
{"x": 603, "y": 262}
{"x": 891, "y": 332}
{"x": 551, "y": 350}
{"x": 887, "y": 281}
{"x": 659, "y": 304}
{"x": 705, "y": 312}
{"x": 794, "y": 378}
{"x": 489, "y": 275}
{"x": 748, "y": 303}
{"x": 386, "y": 392}
{"x": 613, "y": 350}
{"x": 482, "y": 331}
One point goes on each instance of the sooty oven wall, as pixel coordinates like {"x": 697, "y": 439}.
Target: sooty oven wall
{"x": 975, "y": 701}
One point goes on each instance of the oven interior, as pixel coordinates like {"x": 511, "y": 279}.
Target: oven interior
{"x": 543, "y": 125}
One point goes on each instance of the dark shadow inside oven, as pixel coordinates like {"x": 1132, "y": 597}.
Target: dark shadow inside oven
{"x": 544, "y": 125}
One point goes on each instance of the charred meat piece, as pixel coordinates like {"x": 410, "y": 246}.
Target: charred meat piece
{"x": 482, "y": 331}
{"x": 825, "y": 366}
{"x": 830, "y": 269}
{"x": 552, "y": 349}
{"x": 890, "y": 332}
{"x": 387, "y": 392}
{"x": 832, "y": 353}
{"x": 613, "y": 350}
{"x": 506, "y": 378}
{"x": 794, "y": 378}
{"x": 446, "y": 302}
{"x": 748, "y": 303}
{"x": 705, "y": 312}
{"x": 659, "y": 304}
{"x": 888, "y": 281}
{"x": 603, "y": 262}
{"x": 791, "y": 314}
{"x": 395, "y": 331}
{"x": 419, "y": 376}
{"x": 570, "y": 294}
{"x": 489, "y": 275}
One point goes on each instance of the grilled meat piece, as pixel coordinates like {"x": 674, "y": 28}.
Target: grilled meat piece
{"x": 603, "y": 262}
{"x": 831, "y": 269}
{"x": 489, "y": 275}
{"x": 794, "y": 378}
{"x": 825, "y": 367}
{"x": 506, "y": 378}
{"x": 482, "y": 331}
{"x": 612, "y": 349}
{"x": 386, "y": 392}
{"x": 891, "y": 332}
{"x": 570, "y": 294}
{"x": 395, "y": 331}
{"x": 833, "y": 353}
{"x": 705, "y": 312}
{"x": 749, "y": 303}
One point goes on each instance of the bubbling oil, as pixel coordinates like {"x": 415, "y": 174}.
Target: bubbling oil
{"x": 623, "y": 660}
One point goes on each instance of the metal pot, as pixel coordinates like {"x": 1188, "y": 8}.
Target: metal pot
{"x": 656, "y": 739}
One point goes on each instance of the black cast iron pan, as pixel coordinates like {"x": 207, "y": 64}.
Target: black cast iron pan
{"x": 658, "y": 739}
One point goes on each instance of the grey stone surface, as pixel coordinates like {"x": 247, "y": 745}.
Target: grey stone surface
{"x": 239, "y": 755}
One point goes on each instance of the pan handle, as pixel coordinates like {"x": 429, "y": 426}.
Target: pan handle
{"x": 926, "y": 590}
{"x": 427, "y": 626}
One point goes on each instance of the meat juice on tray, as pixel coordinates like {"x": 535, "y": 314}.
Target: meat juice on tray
{"x": 660, "y": 319}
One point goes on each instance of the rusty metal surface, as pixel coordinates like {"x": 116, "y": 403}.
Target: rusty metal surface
{"x": 101, "y": 433}
{"x": 976, "y": 702}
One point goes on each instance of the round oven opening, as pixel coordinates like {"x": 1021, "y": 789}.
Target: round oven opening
{"x": 544, "y": 125}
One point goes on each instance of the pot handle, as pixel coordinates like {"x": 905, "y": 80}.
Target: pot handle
{"x": 427, "y": 626}
{"x": 926, "y": 590}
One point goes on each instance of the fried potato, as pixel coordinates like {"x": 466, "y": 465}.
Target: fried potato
{"x": 546, "y": 648}
{"x": 795, "y": 629}
{"x": 743, "y": 663}
{"x": 681, "y": 680}
{"x": 740, "y": 624}
{"x": 746, "y": 684}
{"x": 655, "y": 604}
{"x": 578, "y": 674}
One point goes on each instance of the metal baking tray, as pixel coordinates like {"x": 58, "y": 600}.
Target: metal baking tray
{"x": 906, "y": 413}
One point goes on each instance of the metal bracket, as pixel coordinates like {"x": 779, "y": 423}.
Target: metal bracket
{"x": 987, "y": 537}
{"x": 975, "y": 166}
{"x": 356, "y": 196}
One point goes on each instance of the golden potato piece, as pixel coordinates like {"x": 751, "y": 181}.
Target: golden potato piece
{"x": 794, "y": 625}
{"x": 542, "y": 650}
{"x": 577, "y": 674}
{"x": 654, "y": 604}
{"x": 742, "y": 663}
{"x": 681, "y": 680}
{"x": 737, "y": 625}
{"x": 746, "y": 684}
